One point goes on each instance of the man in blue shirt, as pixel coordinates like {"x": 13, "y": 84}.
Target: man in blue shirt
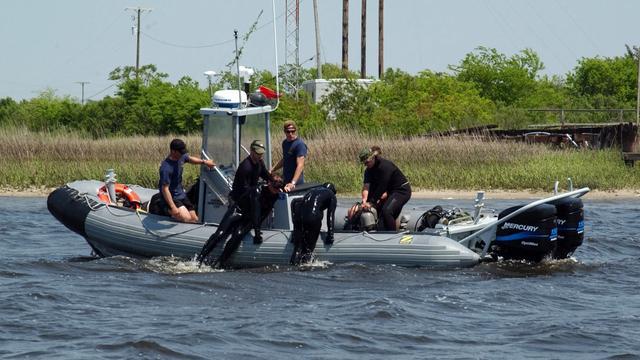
{"x": 173, "y": 198}
{"x": 294, "y": 151}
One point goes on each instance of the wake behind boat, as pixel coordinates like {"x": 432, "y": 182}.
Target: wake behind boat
{"x": 109, "y": 216}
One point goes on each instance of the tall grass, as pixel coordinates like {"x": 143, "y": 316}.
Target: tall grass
{"x": 467, "y": 163}
{"x": 50, "y": 159}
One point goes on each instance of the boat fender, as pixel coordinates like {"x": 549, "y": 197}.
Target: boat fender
{"x": 70, "y": 208}
{"x": 131, "y": 199}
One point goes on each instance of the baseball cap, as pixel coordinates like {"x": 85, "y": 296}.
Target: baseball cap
{"x": 178, "y": 145}
{"x": 365, "y": 154}
{"x": 258, "y": 147}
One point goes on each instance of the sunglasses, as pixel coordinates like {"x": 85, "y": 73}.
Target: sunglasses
{"x": 290, "y": 131}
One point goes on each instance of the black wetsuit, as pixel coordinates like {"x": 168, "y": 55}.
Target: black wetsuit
{"x": 248, "y": 212}
{"x": 247, "y": 176}
{"x": 383, "y": 177}
{"x": 307, "y": 221}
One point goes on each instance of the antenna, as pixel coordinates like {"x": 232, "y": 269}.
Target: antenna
{"x": 275, "y": 46}
{"x": 235, "y": 37}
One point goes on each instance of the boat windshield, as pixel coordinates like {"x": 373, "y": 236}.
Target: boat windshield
{"x": 218, "y": 139}
{"x": 227, "y": 138}
{"x": 252, "y": 128}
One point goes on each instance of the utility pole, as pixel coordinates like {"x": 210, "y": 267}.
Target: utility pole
{"x": 317, "y": 23}
{"x": 345, "y": 36}
{"x": 380, "y": 39}
{"x": 363, "y": 41}
{"x": 638, "y": 90}
{"x": 82, "y": 84}
{"x": 138, "y": 12}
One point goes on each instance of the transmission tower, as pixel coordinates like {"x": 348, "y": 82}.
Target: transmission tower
{"x": 292, "y": 45}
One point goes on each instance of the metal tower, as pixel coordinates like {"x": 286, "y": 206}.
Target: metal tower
{"x": 292, "y": 45}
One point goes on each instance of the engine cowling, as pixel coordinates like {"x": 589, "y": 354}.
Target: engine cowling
{"x": 529, "y": 236}
{"x": 570, "y": 221}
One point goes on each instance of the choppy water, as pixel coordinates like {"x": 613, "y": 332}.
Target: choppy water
{"x": 55, "y": 302}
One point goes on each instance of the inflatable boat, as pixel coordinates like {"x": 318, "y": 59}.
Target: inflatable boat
{"x": 112, "y": 219}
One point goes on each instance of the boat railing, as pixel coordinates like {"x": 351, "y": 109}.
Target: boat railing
{"x": 218, "y": 182}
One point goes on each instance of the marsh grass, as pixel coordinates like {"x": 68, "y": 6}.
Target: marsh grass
{"x": 50, "y": 159}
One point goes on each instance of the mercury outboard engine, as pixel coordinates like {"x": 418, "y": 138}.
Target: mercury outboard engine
{"x": 570, "y": 226}
{"x": 528, "y": 236}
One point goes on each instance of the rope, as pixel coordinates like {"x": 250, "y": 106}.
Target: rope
{"x": 138, "y": 212}
{"x": 286, "y": 233}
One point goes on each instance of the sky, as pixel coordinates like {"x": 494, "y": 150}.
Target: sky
{"x": 47, "y": 44}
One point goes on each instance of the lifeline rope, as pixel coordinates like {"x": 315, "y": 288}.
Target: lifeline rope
{"x": 138, "y": 212}
{"x": 283, "y": 232}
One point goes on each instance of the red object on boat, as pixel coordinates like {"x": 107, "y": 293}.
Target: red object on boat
{"x": 270, "y": 94}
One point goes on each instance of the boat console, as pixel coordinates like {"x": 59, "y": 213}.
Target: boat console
{"x": 227, "y": 135}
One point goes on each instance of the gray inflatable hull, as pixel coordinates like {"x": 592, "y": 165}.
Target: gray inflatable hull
{"x": 111, "y": 230}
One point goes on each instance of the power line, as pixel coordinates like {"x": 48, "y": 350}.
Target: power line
{"x": 163, "y": 42}
{"x": 187, "y": 46}
{"x": 101, "y": 91}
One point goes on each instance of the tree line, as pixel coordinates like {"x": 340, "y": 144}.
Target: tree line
{"x": 485, "y": 87}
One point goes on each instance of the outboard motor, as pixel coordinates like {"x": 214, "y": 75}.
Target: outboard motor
{"x": 528, "y": 236}
{"x": 570, "y": 226}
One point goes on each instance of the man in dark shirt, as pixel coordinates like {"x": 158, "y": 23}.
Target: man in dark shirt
{"x": 249, "y": 171}
{"x": 384, "y": 187}
{"x": 172, "y": 199}
{"x": 307, "y": 221}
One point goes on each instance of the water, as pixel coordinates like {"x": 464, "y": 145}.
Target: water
{"x": 56, "y": 302}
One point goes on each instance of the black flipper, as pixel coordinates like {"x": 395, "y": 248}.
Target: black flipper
{"x": 227, "y": 225}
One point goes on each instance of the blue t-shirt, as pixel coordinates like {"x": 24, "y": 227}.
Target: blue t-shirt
{"x": 291, "y": 150}
{"x": 171, "y": 173}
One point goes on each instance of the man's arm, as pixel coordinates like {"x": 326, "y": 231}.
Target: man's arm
{"x": 296, "y": 175}
{"x": 166, "y": 194}
{"x": 264, "y": 174}
{"x": 197, "y": 161}
{"x": 299, "y": 169}
{"x": 365, "y": 196}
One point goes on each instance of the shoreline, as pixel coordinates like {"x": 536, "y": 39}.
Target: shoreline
{"x": 419, "y": 194}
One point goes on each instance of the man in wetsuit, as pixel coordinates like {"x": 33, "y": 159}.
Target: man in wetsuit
{"x": 308, "y": 214}
{"x": 384, "y": 187}
{"x": 251, "y": 209}
{"x": 250, "y": 170}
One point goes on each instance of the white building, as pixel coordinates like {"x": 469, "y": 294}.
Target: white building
{"x": 318, "y": 88}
